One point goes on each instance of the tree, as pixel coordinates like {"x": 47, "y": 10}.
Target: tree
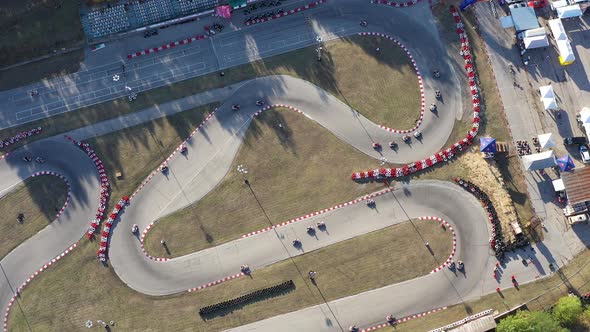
{"x": 529, "y": 321}
{"x": 568, "y": 309}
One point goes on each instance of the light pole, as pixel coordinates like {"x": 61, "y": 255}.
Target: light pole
{"x": 319, "y": 48}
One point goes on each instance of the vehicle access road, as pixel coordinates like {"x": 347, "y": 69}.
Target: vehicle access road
{"x": 94, "y": 84}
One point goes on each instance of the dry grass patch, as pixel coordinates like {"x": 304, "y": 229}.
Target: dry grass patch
{"x": 39, "y": 199}
{"x": 383, "y": 257}
{"x": 288, "y": 173}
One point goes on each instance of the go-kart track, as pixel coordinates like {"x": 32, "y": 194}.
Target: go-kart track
{"x": 211, "y": 150}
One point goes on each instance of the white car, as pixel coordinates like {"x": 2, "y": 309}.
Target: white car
{"x": 584, "y": 153}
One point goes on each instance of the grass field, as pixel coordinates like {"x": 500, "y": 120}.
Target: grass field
{"x": 382, "y": 257}
{"x": 393, "y": 102}
{"x": 34, "y": 28}
{"x": 37, "y": 198}
{"x": 39, "y": 70}
{"x": 318, "y": 178}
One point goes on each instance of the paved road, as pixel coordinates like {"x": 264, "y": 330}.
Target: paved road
{"x": 239, "y": 45}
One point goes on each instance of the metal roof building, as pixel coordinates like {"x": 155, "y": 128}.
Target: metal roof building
{"x": 577, "y": 185}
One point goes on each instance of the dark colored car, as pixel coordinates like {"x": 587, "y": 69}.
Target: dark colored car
{"x": 575, "y": 140}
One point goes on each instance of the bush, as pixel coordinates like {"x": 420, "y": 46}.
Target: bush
{"x": 568, "y": 309}
{"x": 530, "y": 321}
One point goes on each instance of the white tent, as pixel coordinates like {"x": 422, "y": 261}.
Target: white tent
{"x": 569, "y": 11}
{"x": 587, "y": 129}
{"x": 535, "y": 42}
{"x": 585, "y": 115}
{"x": 546, "y": 141}
{"x": 548, "y": 97}
{"x": 536, "y": 161}
{"x": 558, "y": 185}
{"x": 558, "y": 4}
{"x": 557, "y": 29}
{"x": 566, "y": 54}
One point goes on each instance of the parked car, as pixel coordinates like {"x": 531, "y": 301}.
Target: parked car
{"x": 584, "y": 153}
{"x": 577, "y": 219}
{"x": 575, "y": 140}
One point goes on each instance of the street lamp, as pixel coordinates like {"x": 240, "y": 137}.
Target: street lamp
{"x": 319, "y": 51}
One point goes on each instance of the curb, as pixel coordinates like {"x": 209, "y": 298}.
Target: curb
{"x": 216, "y": 282}
{"x": 165, "y": 46}
{"x": 420, "y": 84}
{"x": 29, "y": 279}
{"x": 68, "y": 197}
{"x": 403, "y": 320}
{"x": 453, "y": 250}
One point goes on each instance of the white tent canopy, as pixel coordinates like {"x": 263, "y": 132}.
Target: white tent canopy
{"x": 569, "y": 11}
{"x": 548, "y": 97}
{"x": 587, "y": 129}
{"x": 558, "y": 185}
{"x": 557, "y": 29}
{"x": 585, "y": 115}
{"x": 535, "y": 42}
{"x": 546, "y": 141}
{"x": 565, "y": 51}
{"x": 536, "y": 161}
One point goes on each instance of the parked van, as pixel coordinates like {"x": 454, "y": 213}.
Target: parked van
{"x": 577, "y": 219}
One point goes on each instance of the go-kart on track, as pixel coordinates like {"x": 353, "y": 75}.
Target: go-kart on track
{"x": 210, "y": 154}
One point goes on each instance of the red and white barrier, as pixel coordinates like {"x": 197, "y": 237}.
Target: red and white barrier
{"x": 317, "y": 213}
{"x": 216, "y": 282}
{"x": 165, "y": 46}
{"x": 104, "y": 187}
{"x": 402, "y": 320}
{"x": 286, "y": 13}
{"x": 141, "y": 241}
{"x": 20, "y": 136}
{"x": 450, "y": 152}
{"x": 106, "y": 228}
{"x": 30, "y": 278}
{"x": 420, "y": 84}
{"x": 69, "y": 190}
{"x": 454, "y": 235}
{"x": 395, "y": 4}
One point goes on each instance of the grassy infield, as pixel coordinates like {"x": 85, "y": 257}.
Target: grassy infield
{"x": 84, "y": 275}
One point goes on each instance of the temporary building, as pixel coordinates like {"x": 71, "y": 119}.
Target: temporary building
{"x": 524, "y": 18}
{"x": 586, "y": 129}
{"x": 566, "y": 54}
{"x": 548, "y": 97}
{"x": 569, "y": 11}
{"x": 535, "y": 42}
{"x": 536, "y": 161}
{"x": 546, "y": 141}
{"x": 557, "y": 30}
{"x": 534, "y": 32}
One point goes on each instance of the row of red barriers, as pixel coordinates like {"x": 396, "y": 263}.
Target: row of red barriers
{"x": 19, "y": 136}
{"x": 450, "y": 152}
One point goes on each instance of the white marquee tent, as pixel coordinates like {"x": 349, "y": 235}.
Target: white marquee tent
{"x": 569, "y": 11}
{"x": 546, "y": 141}
{"x": 536, "y": 161}
{"x": 585, "y": 115}
{"x": 548, "y": 97}
{"x": 557, "y": 29}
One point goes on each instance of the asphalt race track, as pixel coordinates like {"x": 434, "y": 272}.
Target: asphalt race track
{"x": 210, "y": 154}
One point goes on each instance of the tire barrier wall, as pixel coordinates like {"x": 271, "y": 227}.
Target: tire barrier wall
{"x": 256, "y": 295}
{"x": 104, "y": 186}
{"x": 289, "y": 12}
{"x": 402, "y": 320}
{"x": 20, "y": 136}
{"x": 450, "y": 152}
{"x": 420, "y": 84}
{"x": 106, "y": 229}
{"x": 497, "y": 239}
